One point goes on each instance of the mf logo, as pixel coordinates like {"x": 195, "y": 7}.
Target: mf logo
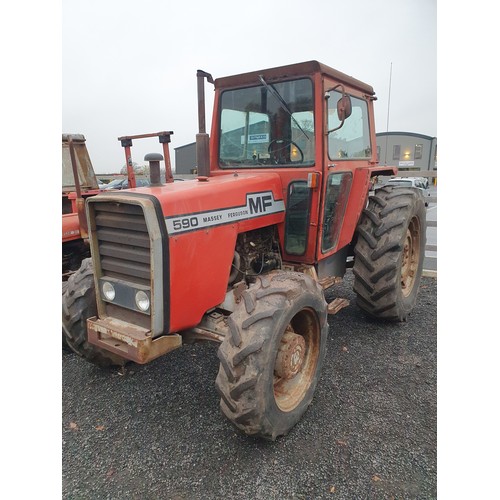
{"x": 260, "y": 203}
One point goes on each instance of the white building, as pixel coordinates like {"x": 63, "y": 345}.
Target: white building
{"x": 407, "y": 150}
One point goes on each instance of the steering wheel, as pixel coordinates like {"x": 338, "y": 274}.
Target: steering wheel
{"x": 278, "y": 153}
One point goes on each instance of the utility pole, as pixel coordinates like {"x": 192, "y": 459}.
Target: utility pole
{"x": 388, "y": 109}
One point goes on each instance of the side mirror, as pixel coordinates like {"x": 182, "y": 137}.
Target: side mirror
{"x": 344, "y": 107}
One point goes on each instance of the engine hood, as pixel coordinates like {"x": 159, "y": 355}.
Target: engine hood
{"x": 224, "y": 199}
{"x": 191, "y": 255}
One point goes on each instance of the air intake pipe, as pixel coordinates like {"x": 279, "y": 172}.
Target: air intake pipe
{"x": 202, "y": 138}
{"x": 154, "y": 160}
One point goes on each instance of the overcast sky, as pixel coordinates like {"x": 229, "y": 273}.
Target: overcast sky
{"x": 129, "y": 67}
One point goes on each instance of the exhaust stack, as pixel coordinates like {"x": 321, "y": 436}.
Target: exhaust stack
{"x": 202, "y": 138}
{"x": 154, "y": 160}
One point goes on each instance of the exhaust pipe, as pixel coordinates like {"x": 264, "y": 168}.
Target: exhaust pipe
{"x": 154, "y": 160}
{"x": 202, "y": 138}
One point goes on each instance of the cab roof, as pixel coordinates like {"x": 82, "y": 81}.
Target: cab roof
{"x": 292, "y": 70}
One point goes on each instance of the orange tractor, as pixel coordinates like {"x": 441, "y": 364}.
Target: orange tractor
{"x": 242, "y": 254}
{"x": 78, "y": 183}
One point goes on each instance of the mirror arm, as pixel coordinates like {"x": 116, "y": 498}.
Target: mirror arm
{"x": 334, "y": 88}
{"x": 327, "y": 96}
{"x": 336, "y": 128}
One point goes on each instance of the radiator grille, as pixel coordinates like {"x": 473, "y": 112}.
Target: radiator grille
{"x": 123, "y": 242}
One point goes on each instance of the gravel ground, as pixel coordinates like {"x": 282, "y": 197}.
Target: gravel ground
{"x": 157, "y": 431}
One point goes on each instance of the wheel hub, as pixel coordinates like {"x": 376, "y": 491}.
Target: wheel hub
{"x": 291, "y": 354}
{"x": 411, "y": 255}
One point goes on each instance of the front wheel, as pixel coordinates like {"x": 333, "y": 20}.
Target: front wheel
{"x": 79, "y": 304}
{"x": 271, "y": 361}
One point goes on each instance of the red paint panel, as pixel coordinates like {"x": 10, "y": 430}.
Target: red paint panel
{"x": 201, "y": 258}
{"x": 70, "y": 227}
{"x": 200, "y": 263}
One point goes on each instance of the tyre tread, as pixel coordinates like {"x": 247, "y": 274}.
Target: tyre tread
{"x": 78, "y": 304}
{"x": 378, "y": 252}
{"x": 242, "y": 363}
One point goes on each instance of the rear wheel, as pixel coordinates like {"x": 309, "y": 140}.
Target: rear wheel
{"x": 389, "y": 253}
{"x": 271, "y": 360}
{"x": 79, "y": 304}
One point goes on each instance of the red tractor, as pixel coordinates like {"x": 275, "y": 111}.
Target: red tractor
{"x": 242, "y": 254}
{"x": 78, "y": 183}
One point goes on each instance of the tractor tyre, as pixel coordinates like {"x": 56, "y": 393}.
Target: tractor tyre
{"x": 65, "y": 345}
{"x": 271, "y": 359}
{"x": 78, "y": 304}
{"x": 389, "y": 253}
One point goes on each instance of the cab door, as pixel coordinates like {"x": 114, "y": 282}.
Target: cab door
{"x": 348, "y": 153}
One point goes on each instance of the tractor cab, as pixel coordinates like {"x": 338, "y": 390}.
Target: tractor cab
{"x": 314, "y": 126}
{"x": 77, "y": 171}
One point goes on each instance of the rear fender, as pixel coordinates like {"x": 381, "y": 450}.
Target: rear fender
{"x": 357, "y": 200}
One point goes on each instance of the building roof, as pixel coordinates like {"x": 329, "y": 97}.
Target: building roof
{"x": 411, "y": 134}
{"x": 185, "y": 146}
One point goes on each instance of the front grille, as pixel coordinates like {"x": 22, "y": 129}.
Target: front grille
{"x": 123, "y": 242}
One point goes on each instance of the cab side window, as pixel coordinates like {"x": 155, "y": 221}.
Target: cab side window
{"x": 297, "y": 218}
{"x": 352, "y": 140}
{"x": 337, "y": 194}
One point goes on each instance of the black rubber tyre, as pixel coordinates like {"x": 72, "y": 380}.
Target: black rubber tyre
{"x": 65, "y": 345}
{"x": 389, "y": 253}
{"x": 271, "y": 360}
{"x": 78, "y": 304}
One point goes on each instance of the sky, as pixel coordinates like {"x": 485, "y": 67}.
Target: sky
{"x": 130, "y": 68}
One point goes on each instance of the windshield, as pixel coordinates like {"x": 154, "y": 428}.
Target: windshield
{"x": 85, "y": 171}
{"x": 267, "y": 125}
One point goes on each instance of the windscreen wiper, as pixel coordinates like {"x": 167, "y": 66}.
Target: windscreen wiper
{"x": 282, "y": 101}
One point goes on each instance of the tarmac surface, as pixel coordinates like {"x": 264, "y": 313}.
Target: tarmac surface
{"x": 156, "y": 432}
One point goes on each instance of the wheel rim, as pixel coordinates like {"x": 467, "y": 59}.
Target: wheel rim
{"x": 296, "y": 360}
{"x": 411, "y": 257}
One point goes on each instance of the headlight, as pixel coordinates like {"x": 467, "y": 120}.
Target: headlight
{"x": 124, "y": 294}
{"x": 108, "y": 290}
{"x": 142, "y": 300}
